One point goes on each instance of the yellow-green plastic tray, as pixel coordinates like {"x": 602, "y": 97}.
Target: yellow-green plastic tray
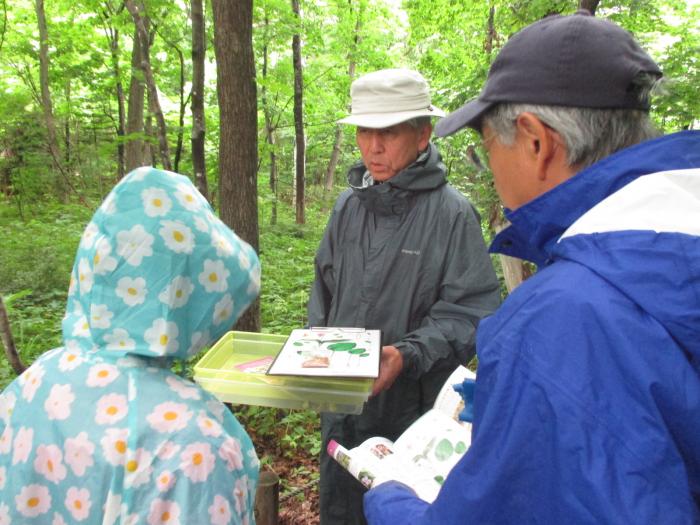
{"x": 220, "y": 371}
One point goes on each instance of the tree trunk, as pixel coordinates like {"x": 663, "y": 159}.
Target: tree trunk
{"x": 151, "y": 149}
{"x": 183, "y": 108}
{"x": 514, "y": 270}
{"x": 112, "y": 34}
{"x": 337, "y": 143}
{"x": 198, "y": 122}
{"x": 135, "y": 148}
{"x": 238, "y": 148}
{"x": 8, "y": 341}
{"x": 269, "y": 128}
{"x": 121, "y": 124}
{"x": 151, "y": 83}
{"x": 300, "y": 160}
{"x": 591, "y": 5}
{"x": 4, "y": 24}
{"x": 46, "y": 103}
{"x": 66, "y": 126}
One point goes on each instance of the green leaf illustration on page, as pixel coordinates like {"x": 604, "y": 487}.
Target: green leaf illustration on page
{"x": 444, "y": 450}
{"x": 341, "y": 347}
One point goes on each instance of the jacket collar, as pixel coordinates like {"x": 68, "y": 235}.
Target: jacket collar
{"x": 537, "y": 226}
{"x": 393, "y": 197}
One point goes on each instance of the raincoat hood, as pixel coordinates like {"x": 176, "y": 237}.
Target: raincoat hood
{"x": 157, "y": 263}
{"x": 393, "y": 197}
{"x": 101, "y": 430}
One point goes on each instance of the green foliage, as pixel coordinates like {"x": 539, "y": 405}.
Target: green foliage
{"x": 36, "y": 257}
{"x": 451, "y": 43}
{"x": 300, "y": 431}
{"x": 38, "y": 253}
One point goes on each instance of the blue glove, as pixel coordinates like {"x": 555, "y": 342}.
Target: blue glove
{"x": 466, "y": 390}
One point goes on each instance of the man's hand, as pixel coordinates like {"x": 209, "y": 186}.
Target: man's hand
{"x": 390, "y": 367}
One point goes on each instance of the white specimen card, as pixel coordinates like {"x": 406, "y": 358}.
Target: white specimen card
{"x": 329, "y": 352}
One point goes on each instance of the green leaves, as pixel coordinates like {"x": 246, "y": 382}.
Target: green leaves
{"x": 443, "y": 450}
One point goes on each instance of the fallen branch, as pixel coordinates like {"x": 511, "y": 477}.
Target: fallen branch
{"x": 296, "y": 490}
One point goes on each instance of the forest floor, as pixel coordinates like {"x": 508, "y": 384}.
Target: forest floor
{"x": 298, "y": 497}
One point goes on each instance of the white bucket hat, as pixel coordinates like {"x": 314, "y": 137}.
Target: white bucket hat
{"x": 389, "y": 96}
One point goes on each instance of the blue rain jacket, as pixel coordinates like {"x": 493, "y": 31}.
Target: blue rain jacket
{"x": 587, "y": 399}
{"x": 100, "y": 430}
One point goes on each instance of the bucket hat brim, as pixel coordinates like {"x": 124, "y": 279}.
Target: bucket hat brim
{"x": 388, "y": 119}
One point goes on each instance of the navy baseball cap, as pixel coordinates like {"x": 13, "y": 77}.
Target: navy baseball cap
{"x": 576, "y": 60}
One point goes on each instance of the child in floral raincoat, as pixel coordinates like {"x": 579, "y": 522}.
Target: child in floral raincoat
{"x": 100, "y": 430}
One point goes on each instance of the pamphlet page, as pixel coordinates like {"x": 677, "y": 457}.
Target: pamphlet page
{"x": 329, "y": 352}
{"x": 423, "y": 455}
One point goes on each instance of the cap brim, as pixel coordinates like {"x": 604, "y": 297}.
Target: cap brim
{"x": 468, "y": 115}
{"x": 385, "y": 120}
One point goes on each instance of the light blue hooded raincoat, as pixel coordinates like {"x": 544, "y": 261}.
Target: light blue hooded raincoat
{"x": 100, "y": 430}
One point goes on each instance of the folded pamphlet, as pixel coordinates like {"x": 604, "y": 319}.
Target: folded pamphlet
{"x": 423, "y": 455}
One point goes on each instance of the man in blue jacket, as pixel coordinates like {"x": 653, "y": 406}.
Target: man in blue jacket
{"x": 587, "y": 402}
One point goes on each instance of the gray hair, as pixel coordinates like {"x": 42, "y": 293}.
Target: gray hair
{"x": 418, "y": 122}
{"x": 589, "y": 134}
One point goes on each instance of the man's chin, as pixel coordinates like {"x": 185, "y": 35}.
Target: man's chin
{"x": 381, "y": 176}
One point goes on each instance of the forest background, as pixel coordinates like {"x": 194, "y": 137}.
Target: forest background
{"x": 243, "y": 96}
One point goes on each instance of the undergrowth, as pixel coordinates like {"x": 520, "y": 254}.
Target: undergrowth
{"x": 36, "y": 257}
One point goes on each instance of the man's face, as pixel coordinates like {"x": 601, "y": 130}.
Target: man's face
{"x": 386, "y": 151}
{"x": 510, "y": 171}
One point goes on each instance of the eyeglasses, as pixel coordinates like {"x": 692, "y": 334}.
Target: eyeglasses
{"x": 479, "y": 153}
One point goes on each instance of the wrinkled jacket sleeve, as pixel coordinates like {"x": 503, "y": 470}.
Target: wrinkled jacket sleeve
{"x": 469, "y": 291}
{"x": 321, "y": 295}
{"x": 382, "y": 502}
{"x": 541, "y": 452}
{"x": 321, "y": 290}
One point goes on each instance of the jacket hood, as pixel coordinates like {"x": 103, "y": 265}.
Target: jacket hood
{"x": 157, "y": 274}
{"x": 393, "y": 196}
{"x": 633, "y": 219}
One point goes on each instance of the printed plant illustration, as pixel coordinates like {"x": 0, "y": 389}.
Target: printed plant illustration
{"x": 318, "y": 352}
{"x": 444, "y": 451}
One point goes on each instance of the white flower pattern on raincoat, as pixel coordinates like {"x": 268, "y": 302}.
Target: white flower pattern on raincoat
{"x": 100, "y": 430}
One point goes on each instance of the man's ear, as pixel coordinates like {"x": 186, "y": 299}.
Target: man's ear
{"x": 424, "y": 136}
{"x": 540, "y": 143}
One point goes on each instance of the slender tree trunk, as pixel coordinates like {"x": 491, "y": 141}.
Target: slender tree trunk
{"x": 4, "y": 23}
{"x": 238, "y": 148}
{"x": 121, "y": 124}
{"x": 337, "y": 143}
{"x": 67, "y": 139}
{"x": 46, "y": 94}
{"x": 300, "y": 160}
{"x": 112, "y": 34}
{"x": 198, "y": 122}
{"x": 269, "y": 128}
{"x": 135, "y": 147}
{"x": 8, "y": 341}
{"x": 151, "y": 83}
{"x": 151, "y": 149}
{"x": 514, "y": 270}
{"x": 183, "y": 104}
{"x": 333, "y": 161}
